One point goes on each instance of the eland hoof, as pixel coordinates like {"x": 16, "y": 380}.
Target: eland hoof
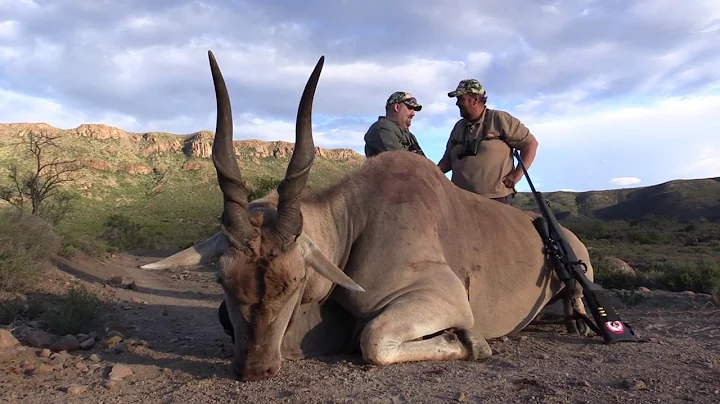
{"x": 475, "y": 343}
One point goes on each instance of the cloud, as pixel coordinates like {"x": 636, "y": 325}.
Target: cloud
{"x": 609, "y": 88}
{"x": 624, "y": 181}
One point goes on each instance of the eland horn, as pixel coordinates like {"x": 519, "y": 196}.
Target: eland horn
{"x": 199, "y": 253}
{"x": 235, "y": 194}
{"x": 289, "y": 222}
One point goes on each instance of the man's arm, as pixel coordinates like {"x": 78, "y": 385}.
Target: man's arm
{"x": 528, "y": 152}
{"x": 519, "y": 137}
{"x": 445, "y": 163}
{"x": 384, "y": 139}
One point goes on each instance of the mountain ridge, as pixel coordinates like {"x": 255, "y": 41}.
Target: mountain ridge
{"x": 167, "y": 160}
{"x": 194, "y": 144}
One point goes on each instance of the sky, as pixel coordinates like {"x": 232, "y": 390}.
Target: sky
{"x": 619, "y": 93}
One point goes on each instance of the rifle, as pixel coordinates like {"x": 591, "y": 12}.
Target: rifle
{"x": 570, "y": 269}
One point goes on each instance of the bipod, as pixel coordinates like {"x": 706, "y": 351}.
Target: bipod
{"x": 570, "y": 269}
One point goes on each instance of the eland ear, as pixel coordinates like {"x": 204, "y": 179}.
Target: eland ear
{"x": 322, "y": 264}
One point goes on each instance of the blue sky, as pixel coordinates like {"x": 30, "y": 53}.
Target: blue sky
{"x": 619, "y": 93}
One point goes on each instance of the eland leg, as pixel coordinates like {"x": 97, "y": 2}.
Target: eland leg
{"x": 224, "y": 318}
{"x": 572, "y": 306}
{"x": 396, "y": 334}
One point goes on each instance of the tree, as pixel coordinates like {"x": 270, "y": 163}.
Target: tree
{"x": 41, "y": 185}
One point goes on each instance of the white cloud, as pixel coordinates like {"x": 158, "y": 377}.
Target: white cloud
{"x": 624, "y": 181}
{"x": 609, "y": 88}
{"x": 667, "y": 139}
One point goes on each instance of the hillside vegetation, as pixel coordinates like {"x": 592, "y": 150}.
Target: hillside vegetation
{"x": 159, "y": 190}
{"x": 679, "y": 200}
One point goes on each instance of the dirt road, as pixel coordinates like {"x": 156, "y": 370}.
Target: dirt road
{"x": 167, "y": 346}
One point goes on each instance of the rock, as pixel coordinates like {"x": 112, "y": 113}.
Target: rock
{"x": 137, "y": 342}
{"x": 122, "y": 282}
{"x": 7, "y": 340}
{"x": 95, "y": 358}
{"x": 113, "y": 328}
{"x": 42, "y": 369}
{"x": 45, "y": 353}
{"x": 112, "y": 341}
{"x": 116, "y": 280}
{"x": 87, "y": 344}
{"x": 38, "y": 338}
{"x": 62, "y": 355}
{"x": 119, "y": 372}
{"x": 76, "y": 390}
{"x": 121, "y": 347}
{"x": 643, "y": 289}
{"x": 617, "y": 265}
{"x": 27, "y": 367}
{"x": 631, "y": 384}
{"x": 68, "y": 343}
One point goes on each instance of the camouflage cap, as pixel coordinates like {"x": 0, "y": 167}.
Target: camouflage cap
{"x": 403, "y": 97}
{"x": 468, "y": 86}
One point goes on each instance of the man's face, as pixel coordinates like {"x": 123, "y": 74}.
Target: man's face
{"x": 465, "y": 103}
{"x": 405, "y": 114}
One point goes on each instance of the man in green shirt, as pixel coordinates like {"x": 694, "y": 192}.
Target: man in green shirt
{"x": 391, "y": 132}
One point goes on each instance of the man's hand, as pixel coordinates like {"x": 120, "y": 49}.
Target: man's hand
{"x": 512, "y": 178}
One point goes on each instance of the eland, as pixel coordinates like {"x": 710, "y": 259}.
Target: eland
{"x": 426, "y": 271}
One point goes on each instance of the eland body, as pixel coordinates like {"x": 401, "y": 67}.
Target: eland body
{"x": 426, "y": 271}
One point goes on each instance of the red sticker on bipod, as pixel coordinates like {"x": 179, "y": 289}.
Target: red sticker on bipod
{"x": 615, "y": 327}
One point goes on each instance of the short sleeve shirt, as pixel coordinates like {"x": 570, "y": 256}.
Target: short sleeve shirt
{"x": 496, "y": 131}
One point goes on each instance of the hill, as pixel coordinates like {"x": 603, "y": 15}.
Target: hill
{"x": 156, "y": 181}
{"x": 679, "y": 200}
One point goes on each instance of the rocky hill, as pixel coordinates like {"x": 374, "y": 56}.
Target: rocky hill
{"x": 106, "y": 148}
{"x": 156, "y": 180}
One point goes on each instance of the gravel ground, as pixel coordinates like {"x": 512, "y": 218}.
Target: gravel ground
{"x": 166, "y": 345}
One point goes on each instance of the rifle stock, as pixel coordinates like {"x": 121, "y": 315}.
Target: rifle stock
{"x": 569, "y": 268}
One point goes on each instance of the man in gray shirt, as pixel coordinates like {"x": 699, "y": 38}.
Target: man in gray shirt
{"x": 390, "y": 132}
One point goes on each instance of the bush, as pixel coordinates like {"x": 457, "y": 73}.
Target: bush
{"x": 261, "y": 186}
{"x": 123, "y": 233}
{"x": 77, "y": 311}
{"x": 72, "y": 244}
{"x": 26, "y": 243}
{"x": 700, "y": 276}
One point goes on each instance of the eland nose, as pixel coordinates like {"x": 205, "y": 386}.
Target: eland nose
{"x": 258, "y": 373}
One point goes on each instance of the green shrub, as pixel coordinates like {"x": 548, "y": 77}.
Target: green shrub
{"x": 95, "y": 247}
{"x": 261, "y": 186}
{"x": 699, "y": 275}
{"x": 77, "y": 311}
{"x": 124, "y": 233}
{"x": 26, "y": 242}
